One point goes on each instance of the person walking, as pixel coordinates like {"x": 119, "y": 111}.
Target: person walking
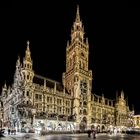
{"x": 9, "y": 131}
{"x": 89, "y": 133}
{"x": 94, "y": 134}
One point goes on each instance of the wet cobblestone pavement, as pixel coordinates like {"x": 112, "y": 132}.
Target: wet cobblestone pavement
{"x": 75, "y": 137}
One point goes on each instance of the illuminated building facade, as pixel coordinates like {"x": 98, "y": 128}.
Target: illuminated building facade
{"x": 1, "y": 114}
{"x": 36, "y": 101}
{"x": 136, "y": 121}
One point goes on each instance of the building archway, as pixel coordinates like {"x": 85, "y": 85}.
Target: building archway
{"x": 60, "y": 127}
{"x": 92, "y": 127}
{"x": 103, "y": 128}
{"x": 98, "y": 128}
{"x": 83, "y": 124}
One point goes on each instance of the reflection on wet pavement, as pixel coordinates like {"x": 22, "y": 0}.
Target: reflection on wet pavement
{"x": 76, "y": 137}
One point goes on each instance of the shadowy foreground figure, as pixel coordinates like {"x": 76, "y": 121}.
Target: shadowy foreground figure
{"x": 94, "y": 134}
{"x": 1, "y": 133}
{"x": 89, "y": 133}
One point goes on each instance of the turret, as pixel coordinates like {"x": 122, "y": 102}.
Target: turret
{"x": 17, "y": 75}
{"x": 4, "y": 90}
{"x": 27, "y": 62}
{"x": 77, "y": 31}
{"x": 27, "y": 71}
{"x": 18, "y": 62}
{"x": 103, "y": 99}
{"x": 122, "y": 94}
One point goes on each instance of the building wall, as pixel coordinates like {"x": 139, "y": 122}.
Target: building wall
{"x": 32, "y": 97}
{"x": 136, "y": 121}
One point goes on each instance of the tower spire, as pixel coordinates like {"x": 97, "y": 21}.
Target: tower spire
{"x": 5, "y": 86}
{"x": 133, "y": 107}
{"x": 27, "y": 53}
{"x": 77, "y": 14}
{"x": 122, "y": 94}
{"x": 77, "y": 32}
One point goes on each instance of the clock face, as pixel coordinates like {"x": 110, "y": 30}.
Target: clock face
{"x": 83, "y": 87}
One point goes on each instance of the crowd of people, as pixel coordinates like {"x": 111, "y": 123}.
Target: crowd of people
{"x": 11, "y": 131}
{"x": 93, "y": 132}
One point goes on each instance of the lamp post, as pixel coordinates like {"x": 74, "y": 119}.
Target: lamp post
{"x": 66, "y": 122}
{"x": 1, "y": 121}
{"x": 33, "y": 116}
{"x": 47, "y": 120}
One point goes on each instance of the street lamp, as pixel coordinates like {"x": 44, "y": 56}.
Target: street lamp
{"x": 46, "y": 119}
{"x": 1, "y": 121}
{"x": 33, "y": 115}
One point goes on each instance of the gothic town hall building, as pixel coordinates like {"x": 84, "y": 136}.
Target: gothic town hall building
{"x": 34, "y": 101}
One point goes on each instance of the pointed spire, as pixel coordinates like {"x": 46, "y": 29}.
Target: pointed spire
{"x": 28, "y": 46}
{"x": 87, "y": 42}
{"x": 77, "y": 32}
{"x": 77, "y": 14}
{"x": 27, "y": 55}
{"x": 122, "y": 94}
{"x": 9, "y": 89}
{"x": 67, "y": 43}
{"x": 4, "y": 89}
{"x": 18, "y": 61}
{"x": 5, "y": 86}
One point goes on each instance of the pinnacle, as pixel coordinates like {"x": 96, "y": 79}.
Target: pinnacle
{"x": 77, "y": 14}
{"x": 28, "y": 46}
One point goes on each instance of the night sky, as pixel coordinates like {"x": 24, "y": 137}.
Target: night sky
{"x": 113, "y": 33}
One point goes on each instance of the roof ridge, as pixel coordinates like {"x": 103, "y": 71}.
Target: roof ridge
{"x": 50, "y": 80}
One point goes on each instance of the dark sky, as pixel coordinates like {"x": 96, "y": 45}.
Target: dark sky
{"x": 113, "y": 33}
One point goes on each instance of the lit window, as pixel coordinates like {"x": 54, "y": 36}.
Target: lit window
{"x": 36, "y": 96}
{"x": 27, "y": 93}
{"x": 40, "y": 97}
{"x": 27, "y": 77}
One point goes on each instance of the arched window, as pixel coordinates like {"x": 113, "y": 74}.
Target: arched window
{"x": 82, "y": 54}
{"x": 84, "y": 112}
{"x": 85, "y": 103}
{"x": 28, "y": 66}
{"x": 28, "y": 77}
{"x": 80, "y": 64}
{"x": 27, "y": 93}
{"x": 92, "y": 120}
{"x": 75, "y": 78}
{"x": 83, "y": 65}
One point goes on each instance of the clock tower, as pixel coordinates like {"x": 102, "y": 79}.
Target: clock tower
{"x": 78, "y": 78}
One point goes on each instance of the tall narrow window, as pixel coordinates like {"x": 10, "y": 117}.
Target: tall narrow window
{"x": 80, "y": 65}
{"x": 27, "y": 93}
{"x": 27, "y": 77}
